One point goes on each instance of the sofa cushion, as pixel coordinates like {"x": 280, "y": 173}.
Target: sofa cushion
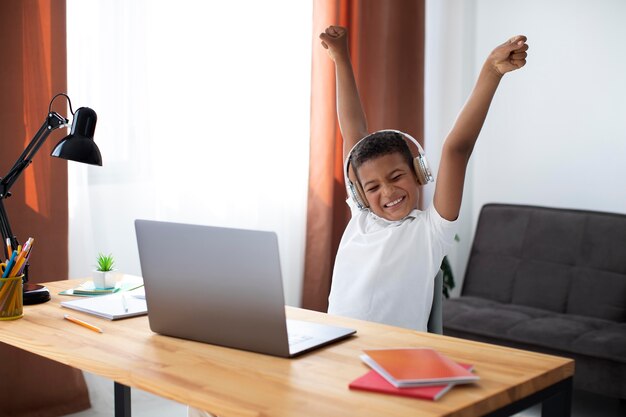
{"x": 598, "y": 293}
{"x": 542, "y": 285}
{"x": 492, "y": 276}
{"x": 605, "y": 342}
{"x": 553, "y": 235}
{"x": 516, "y": 323}
{"x": 604, "y": 243}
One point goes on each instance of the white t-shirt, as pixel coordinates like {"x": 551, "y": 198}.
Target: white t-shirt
{"x": 384, "y": 270}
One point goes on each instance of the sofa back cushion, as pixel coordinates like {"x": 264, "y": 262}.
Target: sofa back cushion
{"x": 566, "y": 261}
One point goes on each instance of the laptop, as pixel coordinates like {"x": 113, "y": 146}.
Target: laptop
{"x": 222, "y": 286}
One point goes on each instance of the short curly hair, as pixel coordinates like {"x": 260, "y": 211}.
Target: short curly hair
{"x": 380, "y": 144}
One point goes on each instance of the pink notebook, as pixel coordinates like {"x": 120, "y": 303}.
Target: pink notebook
{"x": 413, "y": 367}
{"x": 372, "y": 381}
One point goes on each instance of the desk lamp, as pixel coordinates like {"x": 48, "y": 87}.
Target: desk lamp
{"x": 77, "y": 146}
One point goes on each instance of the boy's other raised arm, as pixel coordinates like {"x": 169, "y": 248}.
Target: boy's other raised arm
{"x": 457, "y": 148}
{"x": 352, "y": 120}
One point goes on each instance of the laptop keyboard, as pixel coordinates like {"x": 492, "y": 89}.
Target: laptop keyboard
{"x": 298, "y": 338}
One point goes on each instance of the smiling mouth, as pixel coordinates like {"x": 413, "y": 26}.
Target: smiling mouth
{"x": 394, "y": 202}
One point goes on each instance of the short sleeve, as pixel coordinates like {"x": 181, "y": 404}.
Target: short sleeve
{"x": 443, "y": 230}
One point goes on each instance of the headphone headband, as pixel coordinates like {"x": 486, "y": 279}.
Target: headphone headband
{"x": 420, "y": 166}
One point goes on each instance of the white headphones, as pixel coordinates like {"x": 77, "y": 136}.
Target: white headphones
{"x": 420, "y": 167}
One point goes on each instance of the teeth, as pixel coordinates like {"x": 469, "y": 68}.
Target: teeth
{"x": 393, "y": 203}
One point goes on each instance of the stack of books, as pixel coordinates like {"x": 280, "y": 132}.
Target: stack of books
{"x": 88, "y": 288}
{"x": 412, "y": 372}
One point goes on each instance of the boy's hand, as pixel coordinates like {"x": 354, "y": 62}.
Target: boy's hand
{"x": 509, "y": 56}
{"x": 335, "y": 39}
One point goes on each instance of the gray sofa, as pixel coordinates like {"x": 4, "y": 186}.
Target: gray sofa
{"x": 549, "y": 280}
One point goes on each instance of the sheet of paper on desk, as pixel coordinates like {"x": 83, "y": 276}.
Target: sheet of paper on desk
{"x": 138, "y": 293}
{"x": 112, "y": 307}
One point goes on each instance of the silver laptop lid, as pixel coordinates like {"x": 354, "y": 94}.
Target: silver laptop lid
{"x": 215, "y": 285}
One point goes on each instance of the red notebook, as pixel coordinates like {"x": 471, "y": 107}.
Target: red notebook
{"x": 414, "y": 367}
{"x": 373, "y": 382}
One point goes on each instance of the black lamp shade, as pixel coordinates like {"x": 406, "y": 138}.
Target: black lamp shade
{"x": 79, "y": 146}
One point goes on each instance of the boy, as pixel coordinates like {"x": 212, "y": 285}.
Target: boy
{"x": 390, "y": 252}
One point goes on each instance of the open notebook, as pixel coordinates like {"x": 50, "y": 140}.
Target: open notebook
{"x": 114, "y": 306}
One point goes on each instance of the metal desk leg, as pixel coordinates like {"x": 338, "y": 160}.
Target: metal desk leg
{"x": 555, "y": 400}
{"x": 560, "y": 404}
{"x": 122, "y": 400}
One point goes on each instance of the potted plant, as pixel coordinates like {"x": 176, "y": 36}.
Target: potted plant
{"x": 104, "y": 275}
{"x": 448, "y": 276}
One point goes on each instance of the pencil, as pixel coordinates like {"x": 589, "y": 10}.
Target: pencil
{"x": 82, "y": 323}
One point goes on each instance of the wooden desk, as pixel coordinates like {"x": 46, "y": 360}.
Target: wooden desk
{"x": 229, "y": 382}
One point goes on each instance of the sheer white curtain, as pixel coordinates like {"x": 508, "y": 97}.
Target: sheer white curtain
{"x": 203, "y": 117}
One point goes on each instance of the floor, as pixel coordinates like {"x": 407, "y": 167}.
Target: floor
{"x": 144, "y": 404}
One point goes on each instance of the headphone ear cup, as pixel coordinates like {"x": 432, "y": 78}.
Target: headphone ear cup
{"x": 420, "y": 173}
{"x": 361, "y": 194}
{"x": 357, "y": 194}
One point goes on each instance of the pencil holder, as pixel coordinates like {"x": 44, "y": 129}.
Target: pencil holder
{"x": 11, "y": 298}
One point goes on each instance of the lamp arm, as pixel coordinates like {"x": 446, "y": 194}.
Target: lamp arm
{"x": 30, "y": 146}
{"x": 5, "y": 228}
{"x": 52, "y": 122}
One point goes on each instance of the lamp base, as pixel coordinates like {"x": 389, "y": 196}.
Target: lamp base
{"x": 35, "y": 294}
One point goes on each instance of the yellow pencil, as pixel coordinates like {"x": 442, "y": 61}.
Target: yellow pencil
{"x": 17, "y": 261}
{"x": 82, "y": 323}
{"x": 17, "y": 267}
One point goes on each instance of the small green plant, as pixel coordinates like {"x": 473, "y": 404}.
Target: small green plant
{"x": 105, "y": 262}
{"x": 448, "y": 276}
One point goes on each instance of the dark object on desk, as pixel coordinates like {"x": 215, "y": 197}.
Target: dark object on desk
{"x": 78, "y": 146}
{"x": 552, "y": 281}
{"x": 35, "y": 294}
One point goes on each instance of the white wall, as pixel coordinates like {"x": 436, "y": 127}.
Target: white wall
{"x": 556, "y": 132}
{"x": 448, "y": 80}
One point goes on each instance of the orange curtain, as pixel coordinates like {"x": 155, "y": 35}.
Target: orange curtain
{"x": 387, "y": 51}
{"x": 32, "y": 70}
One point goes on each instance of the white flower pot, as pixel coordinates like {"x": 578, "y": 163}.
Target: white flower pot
{"x": 102, "y": 279}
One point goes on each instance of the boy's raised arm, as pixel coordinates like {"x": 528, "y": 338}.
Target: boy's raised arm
{"x": 352, "y": 120}
{"x": 457, "y": 148}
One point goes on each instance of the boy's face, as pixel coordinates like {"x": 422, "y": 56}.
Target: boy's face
{"x": 390, "y": 186}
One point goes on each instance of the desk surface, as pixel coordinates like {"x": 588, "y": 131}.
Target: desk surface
{"x": 229, "y": 382}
